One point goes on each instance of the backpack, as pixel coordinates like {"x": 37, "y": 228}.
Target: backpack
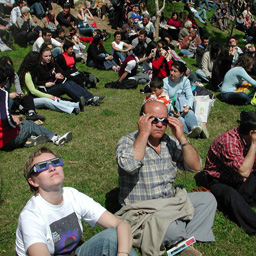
{"x": 126, "y": 84}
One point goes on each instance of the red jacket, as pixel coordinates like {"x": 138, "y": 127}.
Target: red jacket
{"x": 161, "y": 68}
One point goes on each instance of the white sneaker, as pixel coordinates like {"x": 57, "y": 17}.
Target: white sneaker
{"x": 195, "y": 132}
{"x": 35, "y": 140}
{"x": 61, "y": 139}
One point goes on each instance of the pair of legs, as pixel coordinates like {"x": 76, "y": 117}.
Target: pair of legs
{"x": 200, "y": 226}
{"x": 233, "y": 203}
{"x": 201, "y": 75}
{"x": 198, "y": 15}
{"x": 72, "y": 89}
{"x": 188, "y": 120}
{"x": 60, "y": 105}
{"x": 27, "y": 129}
{"x": 37, "y": 9}
{"x": 186, "y": 52}
{"x": 104, "y": 243}
{"x": 236, "y": 98}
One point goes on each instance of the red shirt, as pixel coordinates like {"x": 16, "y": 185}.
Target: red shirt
{"x": 161, "y": 68}
{"x": 225, "y": 157}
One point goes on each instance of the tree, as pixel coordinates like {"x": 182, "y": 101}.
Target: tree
{"x": 158, "y": 15}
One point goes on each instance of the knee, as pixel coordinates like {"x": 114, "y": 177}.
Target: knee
{"x": 110, "y": 240}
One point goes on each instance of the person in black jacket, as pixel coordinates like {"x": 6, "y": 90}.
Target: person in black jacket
{"x": 67, "y": 21}
{"x": 98, "y": 57}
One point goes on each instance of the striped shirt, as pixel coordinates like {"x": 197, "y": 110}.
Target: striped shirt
{"x": 152, "y": 177}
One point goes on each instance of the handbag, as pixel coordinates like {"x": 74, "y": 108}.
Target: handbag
{"x": 246, "y": 88}
{"x": 202, "y": 107}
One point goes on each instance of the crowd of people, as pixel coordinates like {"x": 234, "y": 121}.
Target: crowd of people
{"x": 49, "y": 71}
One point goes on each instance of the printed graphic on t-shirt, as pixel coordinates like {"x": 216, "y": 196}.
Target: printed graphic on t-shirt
{"x": 66, "y": 234}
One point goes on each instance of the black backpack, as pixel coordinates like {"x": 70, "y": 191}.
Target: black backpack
{"x": 126, "y": 84}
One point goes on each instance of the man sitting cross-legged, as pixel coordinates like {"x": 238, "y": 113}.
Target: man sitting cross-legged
{"x": 147, "y": 166}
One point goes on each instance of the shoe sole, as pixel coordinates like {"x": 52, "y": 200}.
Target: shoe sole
{"x": 65, "y": 139}
{"x": 39, "y": 140}
{"x": 195, "y": 133}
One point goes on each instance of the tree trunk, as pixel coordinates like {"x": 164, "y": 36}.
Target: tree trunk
{"x": 158, "y": 15}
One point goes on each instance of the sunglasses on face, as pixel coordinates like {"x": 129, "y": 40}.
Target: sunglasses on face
{"x": 156, "y": 120}
{"x": 42, "y": 166}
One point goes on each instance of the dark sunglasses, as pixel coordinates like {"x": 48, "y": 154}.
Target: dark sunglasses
{"x": 42, "y": 166}
{"x": 156, "y": 120}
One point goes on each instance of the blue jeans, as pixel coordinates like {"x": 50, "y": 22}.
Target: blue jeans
{"x": 201, "y": 75}
{"x": 86, "y": 31}
{"x": 188, "y": 120}
{"x": 119, "y": 55}
{"x": 27, "y": 129}
{"x": 72, "y": 89}
{"x": 37, "y": 8}
{"x": 102, "y": 244}
{"x": 56, "y": 52}
{"x": 236, "y": 98}
{"x": 186, "y": 52}
{"x": 61, "y": 106}
{"x": 198, "y": 14}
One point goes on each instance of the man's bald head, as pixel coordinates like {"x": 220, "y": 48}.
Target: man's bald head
{"x": 153, "y": 104}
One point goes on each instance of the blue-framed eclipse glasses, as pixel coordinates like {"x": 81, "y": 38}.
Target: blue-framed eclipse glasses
{"x": 42, "y": 166}
{"x": 156, "y": 120}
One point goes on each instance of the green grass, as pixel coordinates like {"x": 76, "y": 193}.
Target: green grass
{"x": 89, "y": 158}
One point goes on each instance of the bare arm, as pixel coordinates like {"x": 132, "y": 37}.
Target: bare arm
{"x": 123, "y": 76}
{"x": 38, "y": 249}
{"x": 249, "y": 160}
{"x": 124, "y": 235}
{"x": 190, "y": 156}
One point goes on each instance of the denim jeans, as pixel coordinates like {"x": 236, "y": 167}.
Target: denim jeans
{"x": 188, "y": 120}
{"x": 119, "y": 55}
{"x": 201, "y": 75}
{"x": 102, "y": 244}
{"x": 198, "y": 14}
{"x": 61, "y": 106}
{"x": 236, "y": 98}
{"x": 186, "y": 52}
{"x": 37, "y": 8}
{"x": 108, "y": 64}
{"x": 27, "y": 129}
{"x": 56, "y": 52}
{"x": 72, "y": 89}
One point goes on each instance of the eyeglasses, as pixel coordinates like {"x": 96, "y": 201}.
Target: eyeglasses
{"x": 156, "y": 120}
{"x": 42, "y": 166}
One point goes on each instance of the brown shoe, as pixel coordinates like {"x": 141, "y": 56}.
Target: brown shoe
{"x": 190, "y": 251}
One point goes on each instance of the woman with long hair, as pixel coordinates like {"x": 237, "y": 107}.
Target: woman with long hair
{"x": 234, "y": 79}
{"x": 177, "y": 87}
{"x": 28, "y": 74}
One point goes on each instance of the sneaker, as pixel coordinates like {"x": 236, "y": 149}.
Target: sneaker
{"x": 190, "y": 251}
{"x": 198, "y": 83}
{"x": 61, "y": 139}
{"x": 95, "y": 100}
{"x": 35, "y": 140}
{"x": 195, "y": 132}
{"x": 76, "y": 111}
{"x": 204, "y": 133}
{"x": 34, "y": 117}
{"x": 81, "y": 103}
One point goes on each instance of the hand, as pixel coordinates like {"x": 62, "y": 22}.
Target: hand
{"x": 186, "y": 109}
{"x": 52, "y": 97}
{"x": 59, "y": 76}
{"x": 13, "y": 95}
{"x": 49, "y": 84}
{"x": 177, "y": 129}
{"x": 163, "y": 52}
{"x": 144, "y": 124}
{"x": 253, "y": 137}
{"x": 176, "y": 114}
{"x": 16, "y": 119}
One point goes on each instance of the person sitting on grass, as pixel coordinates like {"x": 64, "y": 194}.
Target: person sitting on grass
{"x": 16, "y": 133}
{"x": 51, "y": 221}
{"x": 230, "y": 172}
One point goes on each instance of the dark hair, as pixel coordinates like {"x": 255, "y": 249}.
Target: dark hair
{"x": 174, "y": 14}
{"x": 67, "y": 44}
{"x": 156, "y": 82}
{"x": 59, "y": 30}
{"x": 45, "y": 31}
{"x": 21, "y": 2}
{"x": 247, "y": 122}
{"x": 66, "y": 6}
{"x": 143, "y": 32}
{"x": 151, "y": 45}
{"x": 214, "y": 50}
{"x": 97, "y": 39}
{"x": 117, "y": 33}
{"x": 43, "y": 49}
{"x": 139, "y": 50}
{"x": 245, "y": 61}
{"x": 30, "y": 64}
{"x": 205, "y": 36}
{"x": 6, "y": 69}
{"x": 180, "y": 66}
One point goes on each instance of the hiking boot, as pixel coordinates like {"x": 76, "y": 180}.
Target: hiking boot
{"x": 81, "y": 103}
{"x": 61, "y": 139}
{"x": 34, "y": 116}
{"x": 35, "y": 140}
{"x": 190, "y": 251}
{"x": 195, "y": 132}
{"x": 95, "y": 100}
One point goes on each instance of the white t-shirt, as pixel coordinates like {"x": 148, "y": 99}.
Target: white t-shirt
{"x": 39, "y": 41}
{"x": 57, "y": 226}
{"x": 131, "y": 65}
{"x": 119, "y": 46}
